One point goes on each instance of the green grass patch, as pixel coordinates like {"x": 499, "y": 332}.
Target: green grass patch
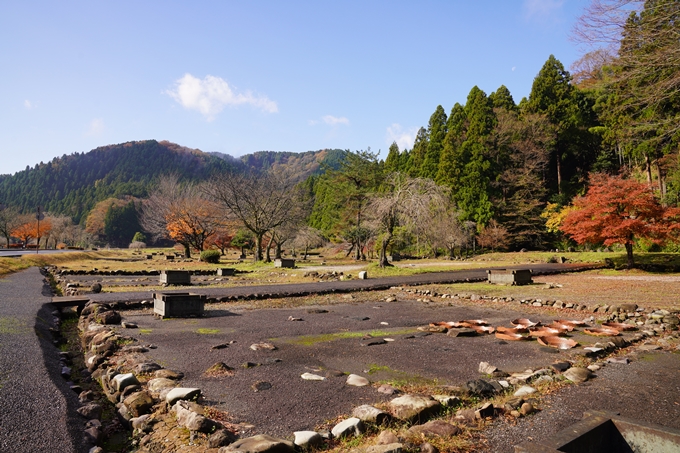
{"x": 145, "y": 331}
{"x": 310, "y": 340}
{"x": 12, "y": 326}
{"x": 204, "y": 331}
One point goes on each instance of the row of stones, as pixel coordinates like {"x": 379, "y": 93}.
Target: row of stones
{"x": 621, "y": 312}
{"x": 144, "y": 272}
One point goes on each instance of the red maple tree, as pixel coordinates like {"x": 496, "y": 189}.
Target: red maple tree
{"x": 616, "y": 210}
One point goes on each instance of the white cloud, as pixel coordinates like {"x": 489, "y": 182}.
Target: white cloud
{"x": 96, "y": 127}
{"x": 330, "y": 120}
{"x": 513, "y": 68}
{"x": 333, "y": 120}
{"x": 541, "y": 9}
{"x": 404, "y": 138}
{"x": 210, "y": 95}
{"x": 28, "y": 105}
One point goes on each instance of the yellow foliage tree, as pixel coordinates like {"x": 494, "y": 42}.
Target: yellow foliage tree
{"x": 554, "y": 215}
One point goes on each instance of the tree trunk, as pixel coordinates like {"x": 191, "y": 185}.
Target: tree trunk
{"x": 629, "y": 255}
{"x": 269, "y": 247}
{"x": 648, "y": 170}
{"x": 559, "y": 172}
{"x": 258, "y": 247}
{"x": 659, "y": 175}
{"x": 277, "y": 251}
{"x": 383, "y": 252}
{"x": 187, "y": 251}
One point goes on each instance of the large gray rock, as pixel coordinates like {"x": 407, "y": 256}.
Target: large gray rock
{"x": 169, "y": 374}
{"x": 370, "y": 414}
{"x": 480, "y": 387}
{"x": 139, "y": 403}
{"x": 350, "y": 427}
{"x": 90, "y": 411}
{"x": 387, "y": 437}
{"x": 577, "y": 375}
{"x": 414, "y": 408}
{"x": 120, "y": 381}
{"x": 181, "y": 393}
{"x": 357, "y": 381}
{"x": 158, "y": 384}
{"x": 147, "y": 367}
{"x": 307, "y": 439}
{"x": 192, "y": 421}
{"x": 261, "y": 443}
{"x": 525, "y": 390}
{"x": 221, "y": 438}
{"x": 436, "y": 428}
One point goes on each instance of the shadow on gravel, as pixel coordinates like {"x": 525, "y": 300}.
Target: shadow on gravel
{"x": 50, "y": 352}
{"x": 218, "y": 313}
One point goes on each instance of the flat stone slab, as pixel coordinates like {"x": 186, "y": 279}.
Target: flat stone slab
{"x": 350, "y": 427}
{"x": 357, "y": 381}
{"x": 414, "y": 408}
{"x": 181, "y": 393}
{"x": 262, "y": 443}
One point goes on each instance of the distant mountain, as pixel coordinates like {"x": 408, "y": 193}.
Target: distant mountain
{"x": 297, "y": 166}
{"x": 73, "y": 184}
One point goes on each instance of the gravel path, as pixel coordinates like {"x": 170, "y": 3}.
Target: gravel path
{"x": 37, "y": 408}
{"x": 370, "y": 284}
{"x": 647, "y": 389}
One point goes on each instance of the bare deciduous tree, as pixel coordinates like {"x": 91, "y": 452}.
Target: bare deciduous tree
{"x": 403, "y": 201}
{"x": 494, "y": 236}
{"x": 306, "y": 238}
{"x": 261, "y": 202}
{"x": 9, "y": 220}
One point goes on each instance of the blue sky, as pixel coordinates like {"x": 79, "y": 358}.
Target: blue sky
{"x": 246, "y": 76}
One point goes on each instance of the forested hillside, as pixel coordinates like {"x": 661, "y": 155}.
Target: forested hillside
{"x": 73, "y": 184}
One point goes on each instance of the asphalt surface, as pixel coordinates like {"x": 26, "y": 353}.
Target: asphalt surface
{"x": 647, "y": 389}
{"x": 370, "y": 284}
{"x": 37, "y": 408}
{"x": 18, "y": 252}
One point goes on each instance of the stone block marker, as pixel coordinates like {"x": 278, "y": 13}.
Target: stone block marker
{"x": 175, "y": 278}
{"x": 509, "y": 277}
{"x": 363, "y": 275}
{"x": 178, "y": 305}
{"x": 288, "y": 263}
{"x": 226, "y": 271}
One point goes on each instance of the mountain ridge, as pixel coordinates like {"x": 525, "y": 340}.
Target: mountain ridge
{"x": 73, "y": 184}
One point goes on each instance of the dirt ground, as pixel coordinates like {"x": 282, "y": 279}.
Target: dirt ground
{"x": 334, "y": 343}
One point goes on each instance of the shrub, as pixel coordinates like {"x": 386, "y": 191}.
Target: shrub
{"x": 139, "y": 237}
{"x": 210, "y": 256}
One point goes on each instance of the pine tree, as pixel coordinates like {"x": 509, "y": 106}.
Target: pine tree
{"x": 502, "y": 99}
{"x": 417, "y": 156}
{"x": 392, "y": 161}
{"x": 436, "y": 131}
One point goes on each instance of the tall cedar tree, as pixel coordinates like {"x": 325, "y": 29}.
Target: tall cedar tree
{"x": 474, "y": 194}
{"x": 436, "y": 131}
{"x": 553, "y": 95}
{"x": 619, "y": 211}
{"x": 392, "y": 161}
{"x": 417, "y": 155}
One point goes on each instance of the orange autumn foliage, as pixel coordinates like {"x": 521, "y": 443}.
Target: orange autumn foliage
{"x": 29, "y": 230}
{"x": 619, "y": 211}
